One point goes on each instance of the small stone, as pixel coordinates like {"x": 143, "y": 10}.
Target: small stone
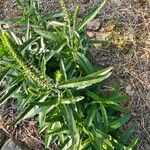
{"x": 117, "y": 2}
{"x": 32, "y": 123}
{"x": 11, "y": 145}
{"x": 93, "y": 25}
{"x": 129, "y": 90}
{"x": 147, "y": 146}
{"x": 4, "y": 83}
{"x": 91, "y": 34}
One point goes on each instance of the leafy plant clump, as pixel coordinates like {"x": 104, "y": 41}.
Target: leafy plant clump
{"x": 44, "y": 59}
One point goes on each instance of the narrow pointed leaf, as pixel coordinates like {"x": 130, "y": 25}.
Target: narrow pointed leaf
{"x": 85, "y": 63}
{"x": 70, "y": 101}
{"x": 133, "y": 143}
{"x": 57, "y": 130}
{"x": 63, "y": 69}
{"x": 2, "y": 50}
{"x": 125, "y": 137}
{"x": 51, "y": 102}
{"x": 43, "y": 66}
{"x": 72, "y": 127}
{"x": 51, "y": 15}
{"x": 10, "y": 92}
{"x": 28, "y": 111}
{"x": 83, "y": 82}
{"x": 104, "y": 116}
{"x": 93, "y": 95}
{"x": 118, "y": 145}
{"x": 85, "y": 144}
{"x": 91, "y": 15}
{"x": 53, "y": 52}
{"x": 91, "y": 115}
{"x": 118, "y": 123}
{"x": 48, "y": 35}
{"x": 17, "y": 79}
{"x": 47, "y": 140}
{"x": 56, "y": 23}
{"x": 65, "y": 143}
{"x": 118, "y": 99}
{"x": 118, "y": 107}
{"x": 29, "y": 42}
{"x": 4, "y": 73}
{"x": 102, "y": 72}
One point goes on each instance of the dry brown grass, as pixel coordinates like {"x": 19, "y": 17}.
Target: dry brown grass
{"x": 132, "y": 65}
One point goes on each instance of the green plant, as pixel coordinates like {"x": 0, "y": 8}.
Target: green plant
{"x": 49, "y": 74}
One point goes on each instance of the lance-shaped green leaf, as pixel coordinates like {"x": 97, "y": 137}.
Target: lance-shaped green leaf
{"x": 47, "y": 140}
{"x": 126, "y": 135}
{"x": 85, "y": 63}
{"x": 118, "y": 145}
{"x": 27, "y": 20}
{"x": 102, "y": 72}
{"x": 2, "y": 50}
{"x": 53, "y": 52}
{"x": 116, "y": 107}
{"x": 49, "y": 102}
{"x": 17, "y": 79}
{"x": 91, "y": 115}
{"x": 51, "y": 15}
{"x": 4, "y": 73}
{"x": 55, "y": 23}
{"x": 109, "y": 144}
{"x": 55, "y": 102}
{"x": 99, "y": 136}
{"x": 93, "y": 95}
{"x": 30, "y": 110}
{"x": 117, "y": 99}
{"x": 72, "y": 100}
{"x": 68, "y": 114}
{"x": 133, "y": 143}
{"x": 83, "y": 82}
{"x": 104, "y": 117}
{"x": 10, "y": 92}
{"x": 28, "y": 43}
{"x": 33, "y": 91}
{"x": 48, "y": 35}
{"x": 85, "y": 144}
{"x": 118, "y": 123}
{"x": 57, "y": 130}
{"x": 65, "y": 144}
{"x": 91, "y": 15}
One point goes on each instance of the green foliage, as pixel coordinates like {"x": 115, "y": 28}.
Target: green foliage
{"x": 45, "y": 61}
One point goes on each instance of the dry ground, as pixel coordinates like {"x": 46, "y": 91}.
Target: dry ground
{"x": 125, "y": 25}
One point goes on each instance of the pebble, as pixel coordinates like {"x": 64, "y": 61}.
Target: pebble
{"x": 91, "y": 34}
{"x": 147, "y": 146}
{"x": 11, "y": 145}
{"x": 129, "y": 90}
{"x": 93, "y": 25}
